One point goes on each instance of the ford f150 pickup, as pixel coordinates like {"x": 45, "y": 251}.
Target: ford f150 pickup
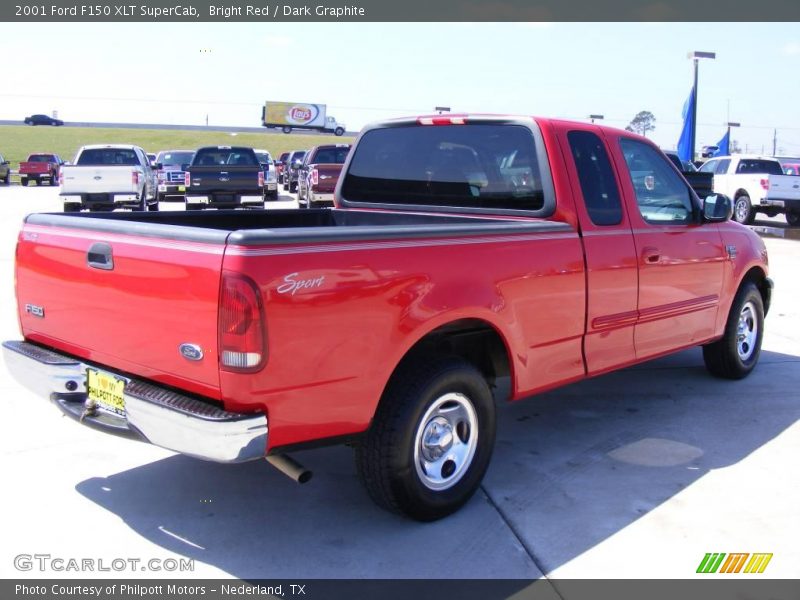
{"x": 319, "y": 173}
{"x": 224, "y": 177}
{"x": 39, "y": 168}
{"x": 469, "y": 258}
{"x": 171, "y": 173}
{"x": 107, "y": 177}
{"x": 756, "y": 184}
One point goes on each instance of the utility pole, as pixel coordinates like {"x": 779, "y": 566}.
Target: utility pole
{"x": 774, "y": 141}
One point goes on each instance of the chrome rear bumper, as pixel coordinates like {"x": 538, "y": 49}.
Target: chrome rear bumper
{"x": 153, "y": 414}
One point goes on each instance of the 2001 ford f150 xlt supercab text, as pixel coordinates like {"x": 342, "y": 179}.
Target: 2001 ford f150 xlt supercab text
{"x": 466, "y": 255}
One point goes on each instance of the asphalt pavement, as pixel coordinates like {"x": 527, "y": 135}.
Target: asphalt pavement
{"x": 635, "y": 474}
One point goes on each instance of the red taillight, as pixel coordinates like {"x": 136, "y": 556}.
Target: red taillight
{"x": 765, "y": 184}
{"x": 314, "y": 177}
{"x": 187, "y": 179}
{"x": 135, "y": 177}
{"x": 261, "y": 179}
{"x": 242, "y": 326}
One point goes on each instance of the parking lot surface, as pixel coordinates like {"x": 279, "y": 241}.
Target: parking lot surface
{"x": 634, "y": 474}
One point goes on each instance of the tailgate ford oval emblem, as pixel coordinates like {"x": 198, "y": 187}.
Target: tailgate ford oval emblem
{"x": 191, "y": 351}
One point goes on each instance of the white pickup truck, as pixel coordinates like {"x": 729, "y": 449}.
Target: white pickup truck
{"x": 105, "y": 177}
{"x": 756, "y": 184}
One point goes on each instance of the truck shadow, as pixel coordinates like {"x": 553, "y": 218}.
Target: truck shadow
{"x": 571, "y": 468}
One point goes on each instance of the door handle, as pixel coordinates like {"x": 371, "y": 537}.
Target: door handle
{"x": 651, "y": 255}
{"x": 100, "y": 256}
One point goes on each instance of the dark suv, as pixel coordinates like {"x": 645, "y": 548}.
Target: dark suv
{"x": 290, "y": 170}
{"x": 43, "y": 120}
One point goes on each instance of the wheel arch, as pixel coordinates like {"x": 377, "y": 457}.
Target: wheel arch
{"x": 476, "y": 340}
{"x": 757, "y": 276}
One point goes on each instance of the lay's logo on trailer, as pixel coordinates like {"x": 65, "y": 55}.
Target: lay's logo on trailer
{"x": 742, "y": 562}
{"x": 300, "y": 114}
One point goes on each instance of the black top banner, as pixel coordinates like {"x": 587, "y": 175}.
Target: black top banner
{"x": 399, "y": 10}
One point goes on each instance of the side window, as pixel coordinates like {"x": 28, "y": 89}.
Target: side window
{"x": 661, "y": 193}
{"x": 722, "y": 167}
{"x": 709, "y": 166}
{"x": 598, "y": 186}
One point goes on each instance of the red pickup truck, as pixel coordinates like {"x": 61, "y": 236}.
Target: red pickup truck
{"x": 40, "y": 168}
{"x": 318, "y": 175}
{"x": 468, "y": 256}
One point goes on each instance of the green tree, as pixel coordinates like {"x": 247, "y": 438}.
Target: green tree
{"x": 643, "y": 122}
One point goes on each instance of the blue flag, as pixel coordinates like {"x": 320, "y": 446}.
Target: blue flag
{"x": 685, "y": 141}
{"x": 724, "y": 144}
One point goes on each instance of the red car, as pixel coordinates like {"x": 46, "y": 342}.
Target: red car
{"x": 470, "y": 259}
{"x": 319, "y": 174}
{"x": 40, "y": 168}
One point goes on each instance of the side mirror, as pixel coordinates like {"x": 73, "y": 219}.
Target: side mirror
{"x": 158, "y": 166}
{"x": 717, "y": 208}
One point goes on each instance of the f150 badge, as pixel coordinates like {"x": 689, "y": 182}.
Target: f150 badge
{"x": 36, "y": 311}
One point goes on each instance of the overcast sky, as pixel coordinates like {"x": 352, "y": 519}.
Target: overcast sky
{"x": 181, "y": 72}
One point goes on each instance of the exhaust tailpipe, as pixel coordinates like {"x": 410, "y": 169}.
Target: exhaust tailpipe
{"x": 290, "y": 467}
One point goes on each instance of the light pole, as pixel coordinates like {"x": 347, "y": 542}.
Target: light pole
{"x": 696, "y": 56}
{"x": 598, "y": 117}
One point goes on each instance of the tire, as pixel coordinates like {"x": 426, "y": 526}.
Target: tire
{"x": 72, "y": 207}
{"x": 292, "y": 186}
{"x": 338, "y": 131}
{"x": 142, "y": 201}
{"x": 743, "y": 211}
{"x": 736, "y": 354}
{"x": 793, "y": 218}
{"x": 154, "y": 207}
{"x": 24, "y": 182}
{"x": 444, "y": 399}
{"x": 286, "y": 129}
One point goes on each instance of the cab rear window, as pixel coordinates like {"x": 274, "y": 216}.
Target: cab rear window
{"x": 476, "y": 166}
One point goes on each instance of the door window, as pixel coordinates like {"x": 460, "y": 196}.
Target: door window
{"x": 661, "y": 194}
{"x": 598, "y": 186}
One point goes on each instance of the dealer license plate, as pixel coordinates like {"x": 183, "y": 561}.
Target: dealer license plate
{"x": 107, "y": 390}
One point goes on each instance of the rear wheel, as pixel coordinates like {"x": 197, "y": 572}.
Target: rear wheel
{"x": 24, "y": 181}
{"x": 286, "y": 129}
{"x": 743, "y": 211}
{"x": 431, "y": 439}
{"x": 793, "y": 218}
{"x": 736, "y": 354}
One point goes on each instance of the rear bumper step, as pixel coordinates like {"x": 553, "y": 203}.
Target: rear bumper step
{"x": 152, "y": 413}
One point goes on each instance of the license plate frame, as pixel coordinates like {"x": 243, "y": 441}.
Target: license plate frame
{"x": 106, "y": 391}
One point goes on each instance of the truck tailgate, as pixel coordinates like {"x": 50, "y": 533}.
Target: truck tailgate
{"x": 783, "y": 187}
{"x": 327, "y": 176}
{"x": 221, "y": 179}
{"x": 89, "y": 179}
{"x": 125, "y": 301}
{"x": 34, "y": 168}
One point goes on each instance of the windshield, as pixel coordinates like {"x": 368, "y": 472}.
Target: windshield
{"x": 225, "y": 156}
{"x": 175, "y": 158}
{"x": 473, "y": 166}
{"x": 108, "y": 156}
{"x": 335, "y": 156}
{"x": 264, "y": 158}
{"x": 758, "y": 166}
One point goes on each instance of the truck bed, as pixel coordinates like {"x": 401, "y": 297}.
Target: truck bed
{"x": 146, "y": 286}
